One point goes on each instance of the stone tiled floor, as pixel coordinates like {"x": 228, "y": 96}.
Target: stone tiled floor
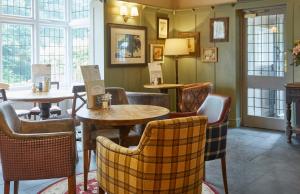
{"x": 258, "y": 161}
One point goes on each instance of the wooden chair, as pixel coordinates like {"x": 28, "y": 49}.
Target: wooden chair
{"x": 54, "y": 110}
{"x": 217, "y": 109}
{"x": 168, "y": 159}
{"x": 20, "y": 112}
{"x": 33, "y": 150}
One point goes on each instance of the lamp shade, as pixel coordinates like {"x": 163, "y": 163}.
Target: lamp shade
{"x": 176, "y": 47}
{"x": 134, "y": 11}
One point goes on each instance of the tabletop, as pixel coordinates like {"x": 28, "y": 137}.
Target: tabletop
{"x": 163, "y": 86}
{"x": 52, "y": 96}
{"x": 122, "y": 115}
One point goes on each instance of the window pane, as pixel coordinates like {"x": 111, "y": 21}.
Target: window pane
{"x": 52, "y": 9}
{"x": 52, "y": 50}
{"x": 80, "y": 9}
{"x": 80, "y": 51}
{"x": 16, "y": 53}
{"x": 16, "y": 7}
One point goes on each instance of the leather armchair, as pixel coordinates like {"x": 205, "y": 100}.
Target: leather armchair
{"x": 169, "y": 158}
{"x": 36, "y": 149}
{"x": 191, "y": 96}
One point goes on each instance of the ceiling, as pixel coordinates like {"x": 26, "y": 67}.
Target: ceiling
{"x": 181, "y": 4}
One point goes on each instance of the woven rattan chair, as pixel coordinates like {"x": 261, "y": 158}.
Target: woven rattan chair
{"x": 36, "y": 150}
{"x": 217, "y": 109}
{"x": 191, "y": 96}
{"x": 168, "y": 159}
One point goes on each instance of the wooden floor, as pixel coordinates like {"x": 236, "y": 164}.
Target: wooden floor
{"x": 259, "y": 162}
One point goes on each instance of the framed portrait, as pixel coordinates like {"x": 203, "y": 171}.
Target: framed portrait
{"x": 193, "y": 39}
{"x": 157, "y": 53}
{"x": 127, "y": 45}
{"x": 162, "y": 28}
{"x": 219, "y": 29}
{"x": 210, "y": 55}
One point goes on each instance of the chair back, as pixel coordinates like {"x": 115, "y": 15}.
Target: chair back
{"x": 191, "y": 96}
{"x": 118, "y": 95}
{"x": 172, "y": 155}
{"x": 9, "y": 120}
{"x": 216, "y": 108}
{"x": 77, "y": 89}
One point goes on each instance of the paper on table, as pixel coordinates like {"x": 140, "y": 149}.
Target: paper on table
{"x": 41, "y": 72}
{"x": 155, "y": 73}
{"x": 90, "y": 73}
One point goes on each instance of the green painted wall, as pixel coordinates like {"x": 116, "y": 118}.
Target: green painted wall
{"x": 226, "y": 74}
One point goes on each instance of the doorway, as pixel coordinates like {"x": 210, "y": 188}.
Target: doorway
{"x": 264, "y": 68}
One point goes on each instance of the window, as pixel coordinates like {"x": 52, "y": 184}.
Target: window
{"x": 16, "y": 52}
{"x": 16, "y": 7}
{"x": 52, "y": 32}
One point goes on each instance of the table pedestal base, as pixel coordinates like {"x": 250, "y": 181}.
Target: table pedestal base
{"x": 45, "y": 110}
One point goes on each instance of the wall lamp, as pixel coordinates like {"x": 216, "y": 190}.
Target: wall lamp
{"x": 124, "y": 12}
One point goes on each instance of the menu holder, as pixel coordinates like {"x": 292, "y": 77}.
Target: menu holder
{"x": 93, "y": 84}
{"x": 155, "y": 73}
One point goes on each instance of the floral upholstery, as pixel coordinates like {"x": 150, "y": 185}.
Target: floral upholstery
{"x": 168, "y": 159}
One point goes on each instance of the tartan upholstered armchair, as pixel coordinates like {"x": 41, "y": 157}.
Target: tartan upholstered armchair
{"x": 217, "y": 109}
{"x": 36, "y": 150}
{"x": 168, "y": 159}
{"x": 191, "y": 96}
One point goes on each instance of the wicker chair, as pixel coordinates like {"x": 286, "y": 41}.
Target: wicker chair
{"x": 191, "y": 96}
{"x": 217, "y": 109}
{"x": 36, "y": 150}
{"x": 168, "y": 159}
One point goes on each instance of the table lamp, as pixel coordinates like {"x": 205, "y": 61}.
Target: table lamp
{"x": 176, "y": 47}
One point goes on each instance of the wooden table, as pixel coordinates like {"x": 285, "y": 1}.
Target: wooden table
{"x": 43, "y": 98}
{"x": 292, "y": 95}
{"x": 164, "y": 89}
{"x": 121, "y": 116}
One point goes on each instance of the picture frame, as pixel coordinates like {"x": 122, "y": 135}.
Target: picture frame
{"x": 157, "y": 53}
{"x": 193, "y": 42}
{"x": 127, "y": 45}
{"x": 162, "y": 28}
{"x": 210, "y": 55}
{"x": 219, "y": 29}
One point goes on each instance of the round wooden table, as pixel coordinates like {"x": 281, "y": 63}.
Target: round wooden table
{"x": 43, "y": 98}
{"x": 121, "y": 116}
{"x": 163, "y": 87}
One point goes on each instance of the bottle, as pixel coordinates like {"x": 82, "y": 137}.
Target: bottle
{"x": 40, "y": 86}
{"x": 33, "y": 88}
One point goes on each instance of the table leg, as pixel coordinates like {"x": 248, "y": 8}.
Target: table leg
{"x": 86, "y": 156}
{"x": 124, "y": 131}
{"x": 45, "y": 110}
{"x": 289, "y": 131}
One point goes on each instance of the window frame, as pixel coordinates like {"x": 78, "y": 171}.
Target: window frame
{"x": 68, "y": 24}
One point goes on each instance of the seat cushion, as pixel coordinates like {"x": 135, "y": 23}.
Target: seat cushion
{"x": 35, "y": 109}
{"x": 21, "y": 112}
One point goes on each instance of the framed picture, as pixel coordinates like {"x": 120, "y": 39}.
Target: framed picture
{"x": 162, "y": 28}
{"x": 127, "y": 45}
{"x": 219, "y": 29}
{"x": 157, "y": 53}
{"x": 193, "y": 42}
{"x": 210, "y": 55}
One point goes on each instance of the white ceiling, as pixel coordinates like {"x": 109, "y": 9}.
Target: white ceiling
{"x": 181, "y": 4}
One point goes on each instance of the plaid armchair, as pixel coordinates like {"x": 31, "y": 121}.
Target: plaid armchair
{"x": 217, "y": 109}
{"x": 36, "y": 150}
{"x": 168, "y": 159}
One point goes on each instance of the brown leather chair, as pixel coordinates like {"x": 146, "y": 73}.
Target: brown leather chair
{"x": 191, "y": 96}
{"x": 36, "y": 150}
{"x": 217, "y": 109}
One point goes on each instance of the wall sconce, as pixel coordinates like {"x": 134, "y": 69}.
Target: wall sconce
{"x": 124, "y": 12}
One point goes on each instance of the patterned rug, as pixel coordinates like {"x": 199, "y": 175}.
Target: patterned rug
{"x": 61, "y": 186}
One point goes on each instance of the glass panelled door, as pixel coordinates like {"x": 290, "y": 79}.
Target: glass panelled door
{"x": 264, "y": 95}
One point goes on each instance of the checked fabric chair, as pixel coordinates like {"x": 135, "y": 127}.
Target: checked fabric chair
{"x": 168, "y": 159}
{"x": 217, "y": 109}
{"x": 33, "y": 150}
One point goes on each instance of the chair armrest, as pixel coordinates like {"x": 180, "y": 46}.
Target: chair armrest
{"x": 174, "y": 115}
{"x": 49, "y": 126}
